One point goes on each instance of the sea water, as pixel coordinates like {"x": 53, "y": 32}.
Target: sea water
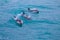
{"x": 42, "y": 26}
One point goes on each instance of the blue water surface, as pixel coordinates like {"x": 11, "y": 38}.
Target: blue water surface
{"x": 43, "y": 26}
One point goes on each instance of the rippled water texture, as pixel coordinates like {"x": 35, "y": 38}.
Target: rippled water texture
{"x": 43, "y": 26}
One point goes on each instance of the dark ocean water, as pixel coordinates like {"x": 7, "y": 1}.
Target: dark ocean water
{"x": 43, "y": 26}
